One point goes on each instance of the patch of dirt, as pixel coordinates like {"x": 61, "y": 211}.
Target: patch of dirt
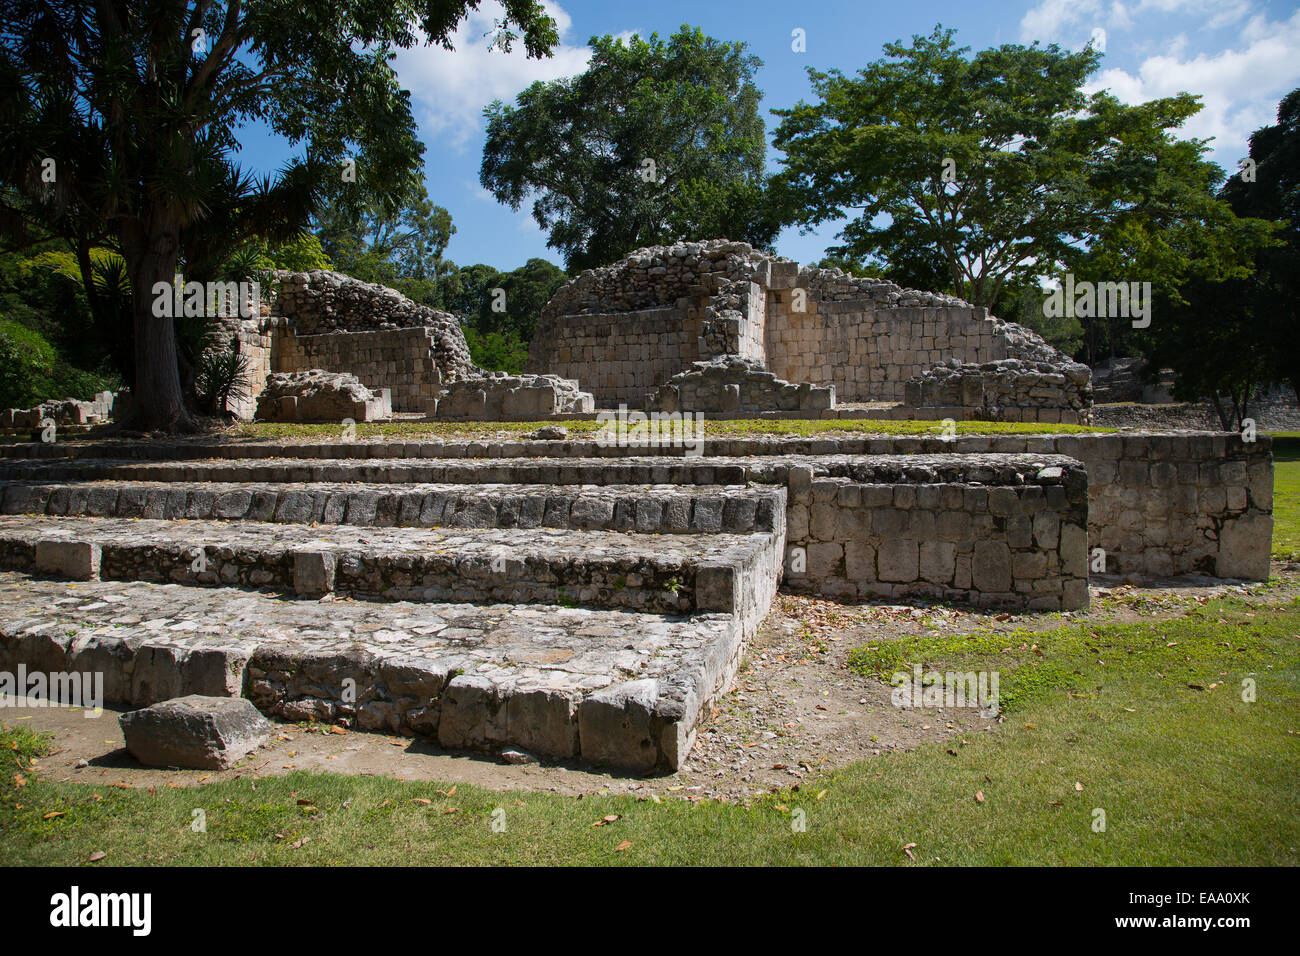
{"x": 794, "y": 713}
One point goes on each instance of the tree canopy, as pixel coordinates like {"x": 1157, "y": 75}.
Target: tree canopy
{"x": 658, "y": 140}
{"x": 117, "y": 120}
{"x": 978, "y": 174}
{"x": 1226, "y": 335}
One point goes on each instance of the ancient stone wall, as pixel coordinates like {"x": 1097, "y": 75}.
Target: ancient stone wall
{"x": 620, "y": 357}
{"x": 1016, "y": 538}
{"x": 865, "y": 336}
{"x": 321, "y": 302}
{"x": 1159, "y": 504}
{"x": 402, "y": 360}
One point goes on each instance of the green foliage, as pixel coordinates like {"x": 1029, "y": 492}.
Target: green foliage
{"x": 526, "y": 291}
{"x": 399, "y": 245}
{"x": 25, "y": 360}
{"x": 1023, "y": 303}
{"x": 143, "y": 124}
{"x": 301, "y": 253}
{"x": 1040, "y": 171}
{"x": 498, "y": 351}
{"x": 499, "y": 339}
{"x": 578, "y": 147}
{"x": 221, "y": 376}
{"x": 1286, "y": 500}
{"x": 467, "y": 290}
{"x": 1186, "y": 776}
{"x": 853, "y": 266}
{"x": 1228, "y": 331}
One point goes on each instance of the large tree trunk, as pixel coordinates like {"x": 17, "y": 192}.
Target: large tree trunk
{"x": 151, "y": 251}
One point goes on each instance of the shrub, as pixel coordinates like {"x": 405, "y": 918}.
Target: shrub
{"x": 27, "y": 361}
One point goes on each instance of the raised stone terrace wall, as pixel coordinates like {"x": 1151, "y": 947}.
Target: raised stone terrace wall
{"x": 1159, "y": 504}
{"x": 696, "y": 301}
{"x": 993, "y": 530}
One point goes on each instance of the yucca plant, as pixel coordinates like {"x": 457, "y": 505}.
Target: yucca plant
{"x": 222, "y": 375}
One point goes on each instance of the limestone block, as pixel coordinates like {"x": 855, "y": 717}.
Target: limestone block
{"x": 204, "y": 733}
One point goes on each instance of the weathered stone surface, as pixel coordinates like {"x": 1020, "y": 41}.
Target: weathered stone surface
{"x": 316, "y": 395}
{"x": 477, "y": 677}
{"x": 323, "y": 302}
{"x": 1005, "y": 390}
{"x": 626, "y": 329}
{"x": 734, "y": 384}
{"x": 497, "y": 396}
{"x": 204, "y": 733}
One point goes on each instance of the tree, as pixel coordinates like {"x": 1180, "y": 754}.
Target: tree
{"x": 500, "y": 309}
{"x": 108, "y": 110}
{"x": 1228, "y": 334}
{"x": 401, "y": 247}
{"x": 524, "y": 292}
{"x": 974, "y": 174}
{"x": 657, "y": 141}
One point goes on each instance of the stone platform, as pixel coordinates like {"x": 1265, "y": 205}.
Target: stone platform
{"x": 662, "y": 573}
{"x": 510, "y": 552}
{"x": 607, "y": 687}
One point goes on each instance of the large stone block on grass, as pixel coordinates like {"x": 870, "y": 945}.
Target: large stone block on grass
{"x": 203, "y": 733}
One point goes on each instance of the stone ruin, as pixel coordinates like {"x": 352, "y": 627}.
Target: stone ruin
{"x": 627, "y": 331}
{"x": 573, "y": 599}
{"x": 712, "y": 327}
{"x": 580, "y": 599}
{"x": 321, "y": 324}
{"x": 319, "y": 396}
{"x": 500, "y": 396}
{"x": 740, "y": 385}
{"x": 1011, "y": 390}
{"x": 64, "y": 413}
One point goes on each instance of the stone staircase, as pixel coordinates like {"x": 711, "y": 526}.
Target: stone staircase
{"x": 480, "y": 604}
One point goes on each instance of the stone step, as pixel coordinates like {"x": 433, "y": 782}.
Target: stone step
{"x": 666, "y": 574}
{"x": 619, "y": 688}
{"x": 988, "y": 468}
{"x": 658, "y": 509}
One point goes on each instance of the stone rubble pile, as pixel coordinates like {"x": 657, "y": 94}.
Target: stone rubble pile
{"x": 500, "y": 396}
{"x": 1002, "y": 390}
{"x": 316, "y": 395}
{"x": 734, "y": 384}
{"x": 68, "y": 411}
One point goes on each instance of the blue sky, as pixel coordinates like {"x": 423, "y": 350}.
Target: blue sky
{"x": 1241, "y": 56}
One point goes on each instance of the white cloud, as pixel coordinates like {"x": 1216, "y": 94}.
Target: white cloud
{"x": 1240, "y": 86}
{"x": 1072, "y": 20}
{"x": 449, "y": 88}
{"x": 1049, "y": 20}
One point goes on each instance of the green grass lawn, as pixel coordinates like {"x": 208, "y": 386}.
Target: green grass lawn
{"x": 1286, "y": 501}
{"x": 715, "y": 428}
{"x": 1144, "y": 722}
